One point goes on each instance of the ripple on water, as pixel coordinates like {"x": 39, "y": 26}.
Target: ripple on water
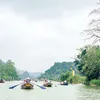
{"x": 87, "y": 93}
{"x": 70, "y": 92}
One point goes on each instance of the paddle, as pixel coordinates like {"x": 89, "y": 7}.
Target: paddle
{"x": 42, "y": 87}
{"x": 14, "y": 86}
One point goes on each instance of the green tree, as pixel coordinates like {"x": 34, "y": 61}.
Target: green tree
{"x": 1, "y": 69}
{"x": 88, "y": 63}
{"x": 10, "y": 70}
{"x": 64, "y": 76}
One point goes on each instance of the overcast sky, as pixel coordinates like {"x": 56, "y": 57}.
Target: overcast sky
{"x": 36, "y": 33}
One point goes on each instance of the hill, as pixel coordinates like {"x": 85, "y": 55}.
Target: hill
{"x": 57, "y": 69}
{"x": 24, "y": 74}
{"x": 35, "y": 74}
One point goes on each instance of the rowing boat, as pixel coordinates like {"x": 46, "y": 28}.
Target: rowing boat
{"x": 27, "y": 86}
{"x": 47, "y": 84}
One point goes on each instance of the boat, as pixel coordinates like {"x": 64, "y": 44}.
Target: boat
{"x": 47, "y": 84}
{"x": 63, "y": 83}
{"x": 2, "y": 81}
{"x": 27, "y": 86}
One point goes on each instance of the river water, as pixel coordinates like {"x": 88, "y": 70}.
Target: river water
{"x": 57, "y": 92}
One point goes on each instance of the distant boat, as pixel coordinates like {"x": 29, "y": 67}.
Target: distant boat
{"x": 47, "y": 84}
{"x": 2, "y": 81}
{"x": 63, "y": 83}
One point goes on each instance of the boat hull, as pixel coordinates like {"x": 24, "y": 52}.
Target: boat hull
{"x": 63, "y": 83}
{"x": 47, "y": 84}
{"x": 1, "y": 81}
{"x": 27, "y": 86}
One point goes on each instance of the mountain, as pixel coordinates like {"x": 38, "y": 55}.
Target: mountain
{"x": 20, "y": 71}
{"x": 24, "y": 74}
{"x": 57, "y": 69}
{"x": 35, "y": 74}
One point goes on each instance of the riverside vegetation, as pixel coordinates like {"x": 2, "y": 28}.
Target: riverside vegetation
{"x": 86, "y": 67}
{"x": 8, "y": 71}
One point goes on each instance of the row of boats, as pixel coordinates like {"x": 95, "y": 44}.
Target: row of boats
{"x": 28, "y": 84}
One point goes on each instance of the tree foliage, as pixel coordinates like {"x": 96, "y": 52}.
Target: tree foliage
{"x": 65, "y": 76}
{"x": 88, "y": 63}
{"x": 7, "y": 70}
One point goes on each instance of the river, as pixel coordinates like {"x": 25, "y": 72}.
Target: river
{"x": 57, "y": 92}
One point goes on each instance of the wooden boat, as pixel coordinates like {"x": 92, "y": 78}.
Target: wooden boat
{"x": 63, "y": 83}
{"x": 1, "y": 81}
{"x": 47, "y": 84}
{"x": 27, "y": 86}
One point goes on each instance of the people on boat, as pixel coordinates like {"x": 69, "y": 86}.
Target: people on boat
{"x": 28, "y": 80}
{"x": 45, "y": 82}
{"x": 27, "y": 84}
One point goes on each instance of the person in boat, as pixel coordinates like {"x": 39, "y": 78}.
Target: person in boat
{"x": 45, "y": 81}
{"x": 28, "y": 80}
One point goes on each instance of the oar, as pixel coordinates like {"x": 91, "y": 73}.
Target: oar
{"x": 14, "y": 86}
{"x": 42, "y": 87}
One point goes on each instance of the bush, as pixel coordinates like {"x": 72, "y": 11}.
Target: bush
{"x": 87, "y": 82}
{"x": 81, "y": 79}
{"x": 73, "y": 80}
{"x": 95, "y": 82}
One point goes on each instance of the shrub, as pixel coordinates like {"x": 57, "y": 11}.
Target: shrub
{"x": 73, "y": 80}
{"x": 95, "y": 82}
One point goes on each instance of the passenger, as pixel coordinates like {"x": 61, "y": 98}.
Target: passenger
{"x": 45, "y": 81}
{"x": 28, "y": 80}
